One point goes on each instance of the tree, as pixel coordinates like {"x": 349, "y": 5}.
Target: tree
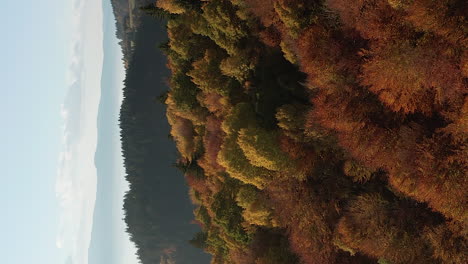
{"x": 449, "y": 242}
{"x": 291, "y": 119}
{"x": 329, "y": 131}
{"x": 412, "y": 78}
{"x": 239, "y": 167}
{"x": 155, "y": 11}
{"x": 238, "y": 67}
{"x": 262, "y": 150}
{"x": 183, "y": 134}
{"x": 206, "y": 73}
{"x": 371, "y": 225}
{"x": 256, "y": 211}
{"x": 171, "y": 6}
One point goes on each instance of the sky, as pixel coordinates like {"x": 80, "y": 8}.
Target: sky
{"x": 52, "y": 56}
{"x": 76, "y": 175}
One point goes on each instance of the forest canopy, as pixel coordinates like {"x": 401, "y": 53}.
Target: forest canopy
{"x": 318, "y": 131}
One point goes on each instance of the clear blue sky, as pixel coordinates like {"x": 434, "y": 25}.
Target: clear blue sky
{"x": 35, "y": 51}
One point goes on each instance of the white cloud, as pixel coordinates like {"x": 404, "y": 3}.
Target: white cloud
{"x": 76, "y": 173}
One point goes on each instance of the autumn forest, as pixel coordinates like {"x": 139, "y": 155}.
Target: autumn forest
{"x": 308, "y": 131}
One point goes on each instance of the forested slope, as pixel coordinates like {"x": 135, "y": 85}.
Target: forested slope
{"x": 157, "y": 207}
{"x": 127, "y": 15}
{"x": 322, "y": 131}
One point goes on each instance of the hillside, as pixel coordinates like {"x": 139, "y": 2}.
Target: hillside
{"x": 312, "y": 132}
{"x": 158, "y": 212}
{"x": 127, "y": 20}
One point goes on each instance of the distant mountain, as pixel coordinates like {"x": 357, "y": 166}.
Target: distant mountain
{"x": 104, "y": 246}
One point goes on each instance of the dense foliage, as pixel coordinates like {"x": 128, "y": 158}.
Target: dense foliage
{"x": 322, "y": 131}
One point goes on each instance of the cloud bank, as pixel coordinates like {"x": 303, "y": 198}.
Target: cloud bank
{"x": 76, "y": 173}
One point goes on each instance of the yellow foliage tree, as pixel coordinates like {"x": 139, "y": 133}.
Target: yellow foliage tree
{"x": 170, "y": 6}
{"x": 238, "y": 166}
{"x": 206, "y": 73}
{"x": 262, "y": 149}
{"x": 256, "y": 212}
{"x": 237, "y": 67}
{"x": 183, "y": 133}
{"x": 242, "y": 115}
